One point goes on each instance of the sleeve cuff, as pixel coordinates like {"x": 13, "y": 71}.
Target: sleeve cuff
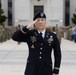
{"x": 24, "y": 30}
{"x": 56, "y": 70}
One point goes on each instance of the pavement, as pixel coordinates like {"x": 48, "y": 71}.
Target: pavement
{"x": 13, "y": 58}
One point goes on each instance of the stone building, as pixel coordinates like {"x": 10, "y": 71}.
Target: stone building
{"x": 22, "y": 11}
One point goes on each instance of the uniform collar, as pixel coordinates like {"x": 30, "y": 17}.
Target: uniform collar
{"x": 43, "y": 33}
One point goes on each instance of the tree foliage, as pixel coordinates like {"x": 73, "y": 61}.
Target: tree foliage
{"x": 2, "y": 16}
{"x": 74, "y": 18}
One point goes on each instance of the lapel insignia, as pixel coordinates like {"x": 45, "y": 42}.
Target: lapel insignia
{"x": 35, "y": 33}
{"x": 32, "y": 46}
{"x": 47, "y": 35}
{"x": 33, "y": 38}
{"x": 50, "y": 39}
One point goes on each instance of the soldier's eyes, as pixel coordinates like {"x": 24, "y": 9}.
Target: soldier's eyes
{"x": 38, "y": 20}
{"x": 41, "y": 19}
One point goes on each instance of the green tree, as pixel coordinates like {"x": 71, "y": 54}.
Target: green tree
{"x": 74, "y": 18}
{"x": 2, "y": 17}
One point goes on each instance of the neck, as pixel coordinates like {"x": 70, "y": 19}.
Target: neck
{"x": 40, "y": 30}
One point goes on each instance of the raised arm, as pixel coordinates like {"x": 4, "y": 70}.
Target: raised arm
{"x": 24, "y": 33}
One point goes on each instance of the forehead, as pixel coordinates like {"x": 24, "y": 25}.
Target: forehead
{"x": 41, "y": 19}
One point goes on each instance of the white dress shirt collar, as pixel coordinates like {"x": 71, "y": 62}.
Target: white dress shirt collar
{"x": 43, "y": 33}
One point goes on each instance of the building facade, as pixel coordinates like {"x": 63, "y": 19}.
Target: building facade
{"x": 22, "y": 11}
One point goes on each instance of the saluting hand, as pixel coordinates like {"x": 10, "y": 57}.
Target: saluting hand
{"x": 31, "y": 24}
{"x": 54, "y": 74}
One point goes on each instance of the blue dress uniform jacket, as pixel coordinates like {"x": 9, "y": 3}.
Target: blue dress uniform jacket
{"x": 39, "y": 60}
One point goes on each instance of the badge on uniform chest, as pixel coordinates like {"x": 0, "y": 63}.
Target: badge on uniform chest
{"x": 33, "y": 39}
{"x": 32, "y": 46}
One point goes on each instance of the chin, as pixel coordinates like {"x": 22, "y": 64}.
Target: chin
{"x": 41, "y": 28}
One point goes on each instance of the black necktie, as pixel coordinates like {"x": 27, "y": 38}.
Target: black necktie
{"x": 40, "y": 34}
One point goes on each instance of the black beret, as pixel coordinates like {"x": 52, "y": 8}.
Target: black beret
{"x": 39, "y": 15}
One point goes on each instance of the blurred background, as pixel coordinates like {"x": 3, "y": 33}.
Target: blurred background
{"x": 22, "y": 11}
{"x": 61, "y": 19}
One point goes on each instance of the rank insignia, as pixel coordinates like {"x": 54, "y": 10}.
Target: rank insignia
{"x": 32, "y": 46}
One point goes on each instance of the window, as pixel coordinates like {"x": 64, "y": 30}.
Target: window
{"x": 38, "y": 9}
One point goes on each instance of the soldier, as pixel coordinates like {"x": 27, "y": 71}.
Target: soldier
{"x": 41, "y": 43}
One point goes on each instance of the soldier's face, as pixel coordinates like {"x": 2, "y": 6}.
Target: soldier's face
{"x": 40, "y": 23}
